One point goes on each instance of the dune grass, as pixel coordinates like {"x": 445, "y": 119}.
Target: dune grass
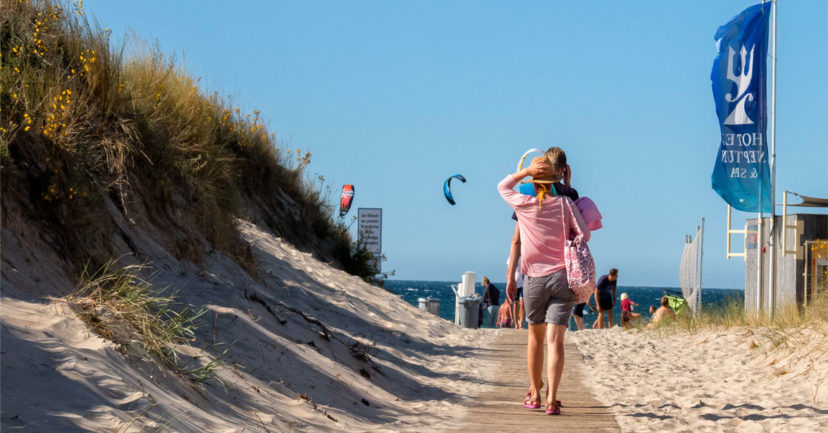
{"x": 83, "y": 122}
{"x": 783, "y": 329}
{"x": 121, "y": 306}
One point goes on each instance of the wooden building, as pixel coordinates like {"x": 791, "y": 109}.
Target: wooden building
{"x": 801, "y": 266}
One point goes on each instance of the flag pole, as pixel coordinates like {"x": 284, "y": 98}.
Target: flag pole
{"x": 700, "y": 267}
{"x": 772, "y": 233}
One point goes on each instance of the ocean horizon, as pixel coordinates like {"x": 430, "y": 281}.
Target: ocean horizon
{"x": 412, "y": 290}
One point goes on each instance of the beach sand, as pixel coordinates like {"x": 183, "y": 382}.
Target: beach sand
{"x": 312, "y": 349}
{"x": 709, "y": 381}
{"x": 309, "y": 348}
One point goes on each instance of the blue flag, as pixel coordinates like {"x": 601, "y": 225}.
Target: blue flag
{"x": 741, "y": 175}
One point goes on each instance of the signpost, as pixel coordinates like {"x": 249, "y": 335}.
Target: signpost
{"x": 370, "y": 234}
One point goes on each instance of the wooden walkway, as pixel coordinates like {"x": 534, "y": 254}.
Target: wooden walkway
{"x": 501, "y": 409}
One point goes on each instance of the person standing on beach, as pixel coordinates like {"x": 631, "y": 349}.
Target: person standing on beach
{"x": 491, "y": 302}
{"x": 545, "y": 222}
{"x": 605, "y": 298}
{"x": 518, "y": 310}
{"x": 578, "y": 314}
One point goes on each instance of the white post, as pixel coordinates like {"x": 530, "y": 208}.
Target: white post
{"x": 773, "y": 231}
{"x": 727, "y": 252}
{"x": 759, "y": 241}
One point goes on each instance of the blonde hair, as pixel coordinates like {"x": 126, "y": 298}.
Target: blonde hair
{"x": 485, "y": 280}
{"x": 557, "y": 161}
{"x": 624, "y": 296}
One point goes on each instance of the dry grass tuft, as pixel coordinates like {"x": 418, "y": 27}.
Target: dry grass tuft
{"x": 124, "y": 308}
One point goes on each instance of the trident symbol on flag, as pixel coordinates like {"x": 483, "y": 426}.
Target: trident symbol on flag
{"x": 738, "y": 116}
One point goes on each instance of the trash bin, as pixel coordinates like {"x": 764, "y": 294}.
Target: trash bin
{"x": 468, "y": 310}
{"x": 429, "y": 305}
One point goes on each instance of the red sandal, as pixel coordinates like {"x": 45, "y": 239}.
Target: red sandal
{"x": 553, "y": 409}
{"x": 531, "y": 403}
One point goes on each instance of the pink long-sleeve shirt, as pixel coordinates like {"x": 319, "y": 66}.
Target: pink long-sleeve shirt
{"x": 542, "y": 231}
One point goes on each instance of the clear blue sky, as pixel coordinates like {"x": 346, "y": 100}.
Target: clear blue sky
{"x": 395, "y": 96}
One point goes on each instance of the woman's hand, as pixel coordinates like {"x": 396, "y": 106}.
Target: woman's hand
{"x": 511, "y": 289}
{"x": 538, "y": 167}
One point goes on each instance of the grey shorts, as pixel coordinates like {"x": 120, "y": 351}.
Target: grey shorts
{"x": 548, "y": 299}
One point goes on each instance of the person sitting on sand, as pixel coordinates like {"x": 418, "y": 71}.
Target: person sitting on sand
{"x": 663, "y": 312}
{"x": 626, "y": 320}
{"x": 545, "y": 222}
{"x": 504, "y": 317}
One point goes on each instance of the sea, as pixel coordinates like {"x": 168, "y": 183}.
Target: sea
{"x": 411, "y": 291}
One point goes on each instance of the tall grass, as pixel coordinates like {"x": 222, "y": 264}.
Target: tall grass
{"x": 124, "y": 308}
{"x": 781, "y": 329}
{"x": 83, "y": 122}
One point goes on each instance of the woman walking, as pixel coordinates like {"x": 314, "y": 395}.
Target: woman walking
{"x": 545, "y": 223}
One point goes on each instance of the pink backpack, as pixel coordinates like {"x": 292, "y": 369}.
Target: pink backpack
{"x": 580, "y": 267}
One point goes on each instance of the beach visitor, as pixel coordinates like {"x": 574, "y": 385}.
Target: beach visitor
{"x": 545, "y": 222}
{"x": 627, "y": 304}
{"x": 491, "y": 302}
{"x": 504, "y": 316}
{"x": 578, "y": 314}
{"x": 518, "y": 310}
{"x": 663, "y": 313}
{"x": 627, "y": 314}
{"x": 626, "y": 322}
{"x": 480, "y": 314}
{"x": 513, "y": 276}
{"x": 605, "y": 298}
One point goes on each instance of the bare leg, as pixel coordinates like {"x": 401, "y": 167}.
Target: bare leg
{"x": 579, "y": 322}
{"x": 515, "y": 309}
{"x": 534, "y": 358}
{"x": 599, "y": 322}
{"x": 555, "y": 360}
{"x": 609, "y": 318}
{"x": 521, "y": 315}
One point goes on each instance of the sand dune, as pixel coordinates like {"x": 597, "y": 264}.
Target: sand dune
{"x": 311, "y": 348}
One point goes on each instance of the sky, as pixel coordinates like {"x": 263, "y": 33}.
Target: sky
{"x": 394, "y": 97}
